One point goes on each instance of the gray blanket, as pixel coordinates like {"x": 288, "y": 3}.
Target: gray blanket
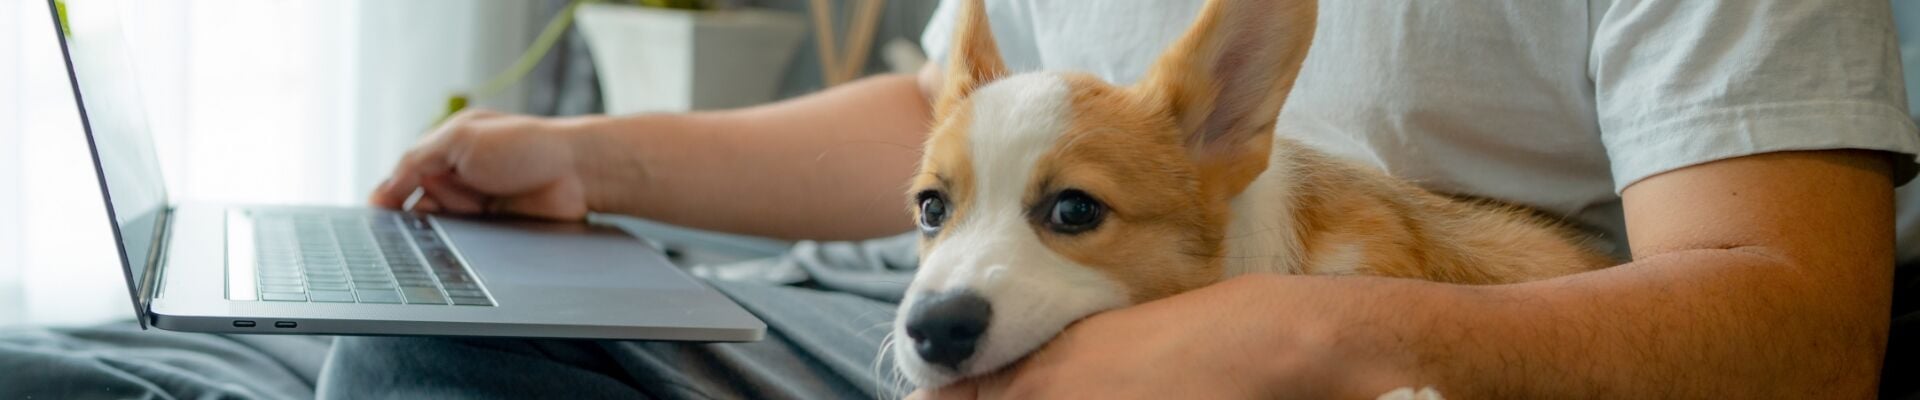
{"x": 120, "y": 361}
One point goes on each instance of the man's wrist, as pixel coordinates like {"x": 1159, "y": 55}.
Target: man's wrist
{"x": 609, "y": 156}
{"x": 1370, "y": 332}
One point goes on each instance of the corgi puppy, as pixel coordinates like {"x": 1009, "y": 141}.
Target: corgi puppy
{"x": 1045, "y": 197}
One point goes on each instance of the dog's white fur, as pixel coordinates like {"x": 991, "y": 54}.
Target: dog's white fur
{"x": 1209, "y": 192}
{"x": 996, "y": 254}
{"x": 1260, "y": 237}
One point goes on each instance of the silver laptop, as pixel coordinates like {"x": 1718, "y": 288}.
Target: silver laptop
{"x": 360, "y": 271}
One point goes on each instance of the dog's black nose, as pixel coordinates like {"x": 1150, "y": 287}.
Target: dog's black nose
{"x": 945, "y": 327}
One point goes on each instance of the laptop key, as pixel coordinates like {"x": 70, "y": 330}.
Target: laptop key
{"x": 283, "y": 296}
{"x": 319, "y": 286}
{"x": 331, "y": 296}
{"x": 283, "y": 289}
{"x": 423, "y": 295}
{"x": 378, "y": 296}
{"x": 378, "y": 281}
{"x": 279, "y": 273}
{"x": 465, "y": 293}
{"x": 327, "y": 279}
{"x": 277, "y": 262}
{"x": 279, "y": 281}
{"x": 471, "y": 301}
{"x": 325, "y": 261}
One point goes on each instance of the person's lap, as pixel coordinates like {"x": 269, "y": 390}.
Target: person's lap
{"x": 819, "y": 345}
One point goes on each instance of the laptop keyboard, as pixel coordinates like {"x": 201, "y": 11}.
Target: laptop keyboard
{"x": 367, "y": 258}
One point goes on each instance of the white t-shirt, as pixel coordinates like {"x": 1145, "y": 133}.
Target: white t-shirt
{"x": 1556, "y": 105}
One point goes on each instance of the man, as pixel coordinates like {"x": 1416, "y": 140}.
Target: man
{"x": 1743, "y": 152}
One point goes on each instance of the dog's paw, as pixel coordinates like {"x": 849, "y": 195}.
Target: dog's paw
{"x": 1407, "y": 393}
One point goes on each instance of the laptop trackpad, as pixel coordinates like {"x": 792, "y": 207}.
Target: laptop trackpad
{"x": 558, "y": 254}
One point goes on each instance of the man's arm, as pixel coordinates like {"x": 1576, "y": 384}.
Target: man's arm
{"x": 1760, "y": 276}
{"x": 1767, "y": 275}
{"x": 829, "y": 165}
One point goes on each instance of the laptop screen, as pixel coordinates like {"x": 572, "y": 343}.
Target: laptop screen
{"x": 109, "y": 94}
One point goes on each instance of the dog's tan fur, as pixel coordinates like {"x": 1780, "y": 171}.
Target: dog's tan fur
{"x": 1169, "y": 193}
{"x": 1408, "y": 232}
{"x": 1198, "y": 188}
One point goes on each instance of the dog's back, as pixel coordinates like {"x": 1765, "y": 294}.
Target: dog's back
{"x": 1346, "y": 218}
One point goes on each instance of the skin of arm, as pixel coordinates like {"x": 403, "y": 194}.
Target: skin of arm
{"x": 830, "y": 165}
{"x": 1755, "y": 277}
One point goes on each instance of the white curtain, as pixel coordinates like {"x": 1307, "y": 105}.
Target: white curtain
{"x": 250, "y": 101}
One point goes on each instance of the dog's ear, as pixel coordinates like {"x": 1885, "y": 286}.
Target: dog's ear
{"x": 972, "y": 60}
{"x": 1226, "y": 79}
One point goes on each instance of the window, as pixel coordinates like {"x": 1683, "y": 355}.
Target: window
{"x": 296, "y": 101}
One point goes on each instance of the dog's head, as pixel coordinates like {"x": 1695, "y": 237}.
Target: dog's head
{"x": 1046, "y": 197}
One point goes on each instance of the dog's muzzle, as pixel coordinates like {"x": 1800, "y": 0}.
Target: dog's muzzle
{"x": 947, "y": 327}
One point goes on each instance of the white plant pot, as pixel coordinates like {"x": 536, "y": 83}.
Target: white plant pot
{"x": 664, "y": 60}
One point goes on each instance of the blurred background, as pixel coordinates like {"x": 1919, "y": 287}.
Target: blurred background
{"x": 310, "y": 101}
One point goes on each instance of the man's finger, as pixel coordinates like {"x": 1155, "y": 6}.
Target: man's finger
{"x": 431, "y": 157}
{"x": 550, "y": 202}
{"x": 454, "y": 197}
{"x": 426, "y": 204}
{"x": 406, "y": 178}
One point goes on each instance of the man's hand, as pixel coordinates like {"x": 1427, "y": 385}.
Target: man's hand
{"x": 826, "y": 166}
{"x": 488, "y": 162}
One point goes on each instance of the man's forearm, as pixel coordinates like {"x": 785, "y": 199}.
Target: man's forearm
{"x": 830, "y": 165}
{"x": 1723, "y": 323}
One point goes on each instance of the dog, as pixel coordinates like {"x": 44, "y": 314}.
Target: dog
{"x": 1045, "y": 197}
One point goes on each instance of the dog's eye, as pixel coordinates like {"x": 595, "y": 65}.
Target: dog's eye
{"x": 933, "y": 211}
{"x": 1074, "y": 212}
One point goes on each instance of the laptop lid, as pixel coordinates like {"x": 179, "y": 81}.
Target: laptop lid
{"x": 93, "y": 41}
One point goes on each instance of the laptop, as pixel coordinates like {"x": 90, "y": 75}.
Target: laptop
{"x": 269, "y": 269}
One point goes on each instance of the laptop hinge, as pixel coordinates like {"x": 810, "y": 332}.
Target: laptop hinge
{"x": 156, "y": 265}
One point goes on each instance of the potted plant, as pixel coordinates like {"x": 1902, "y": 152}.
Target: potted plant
{"x": 682, "y": 55}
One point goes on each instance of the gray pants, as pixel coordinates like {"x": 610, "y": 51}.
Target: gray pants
{"x": 827, "y": 308}
{"x": 819, "y": 345}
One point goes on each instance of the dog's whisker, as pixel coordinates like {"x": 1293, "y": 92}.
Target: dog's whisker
{"x": 893, "y": 382}
{"x": 883, "y": 325}
{"x": 878, "y": 362}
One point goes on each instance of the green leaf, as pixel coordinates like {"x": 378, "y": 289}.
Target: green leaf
{"x": 60, "y": 8}
{"x": 455, "y": 103}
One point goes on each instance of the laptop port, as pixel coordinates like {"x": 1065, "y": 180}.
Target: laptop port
{"x": 283, "y": 324}
{"x": 239, "y": 323}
